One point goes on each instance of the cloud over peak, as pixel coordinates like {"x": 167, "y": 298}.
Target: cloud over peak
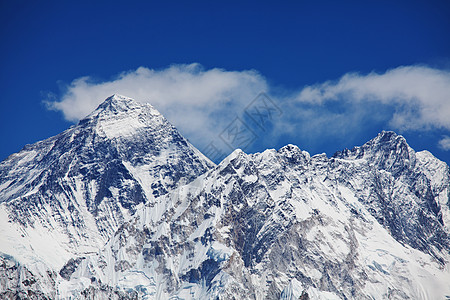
{"x": 183, "y": 84}
{"x": 196, "y": 100}
{"x": 202, "y": 103}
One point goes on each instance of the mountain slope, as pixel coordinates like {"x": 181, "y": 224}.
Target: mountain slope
{"x": 368, "y": 223}
{"x": 403, "y": 194}
{"x": 65, "y": 196}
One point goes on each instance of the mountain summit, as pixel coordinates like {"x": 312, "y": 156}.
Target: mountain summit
{"x": 74, "y": 190}
{"x": 121, "y": 206}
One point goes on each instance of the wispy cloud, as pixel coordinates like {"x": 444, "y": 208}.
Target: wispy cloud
{"x": 202, "y": 103}
{"x": 420, "y": 95}
{"x": 444, "y": 143}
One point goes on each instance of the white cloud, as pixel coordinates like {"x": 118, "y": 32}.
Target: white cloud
{"x": 195, "y": 100}
{"x": 201, "y": 103}
{"x": 420, "y": 95}
{"x": 444, "y": 143}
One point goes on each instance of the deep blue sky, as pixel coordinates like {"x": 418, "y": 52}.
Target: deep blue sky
{"x": 47, "y": 44}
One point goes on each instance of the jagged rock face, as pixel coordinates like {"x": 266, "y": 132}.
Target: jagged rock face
{"x": 17, "y": 282}
{"x": 365, "y": 224}
{"x": 74, "y": 190}
{"x": 400, "y": 191}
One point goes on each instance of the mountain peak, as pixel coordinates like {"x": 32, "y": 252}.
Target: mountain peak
{"x": 390, "y": 143}
{"x": 117, "y": 103}
{"x": 387, "y": 137}
{"x": 117, "y": 99}
{"x": 294, "y": 155}
{"x": 388, "y": 150}
{"x": 121, "y": 111}
{"x": 90, "y": 178}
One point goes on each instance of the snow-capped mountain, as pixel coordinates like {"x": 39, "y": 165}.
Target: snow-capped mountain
{"x": 121, "y": 206}
{"x": 65, "y": 196}
{"x": 368, "y": 223}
